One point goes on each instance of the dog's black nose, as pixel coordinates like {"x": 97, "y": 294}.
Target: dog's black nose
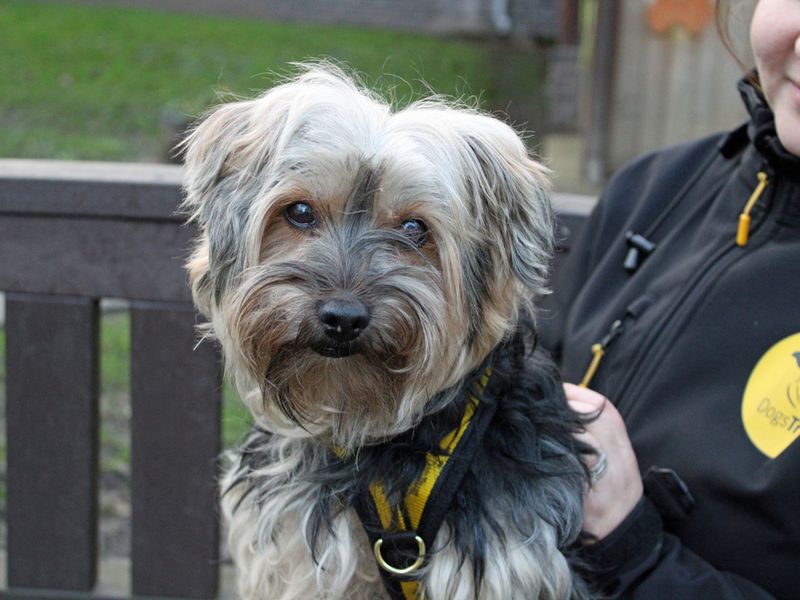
{"x": 343, "y": 318}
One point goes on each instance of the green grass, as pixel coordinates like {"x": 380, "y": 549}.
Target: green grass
{"x": 3, "y": 364}
{"x": 115, "y": 377}
{"x": 236, "y": 419}
{"x": 115, "y": 351}
{"x": 80, "y": 82}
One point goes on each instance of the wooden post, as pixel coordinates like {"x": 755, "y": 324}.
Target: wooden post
{"x": 568, "y": 22}
{"x": 602, "y": 84}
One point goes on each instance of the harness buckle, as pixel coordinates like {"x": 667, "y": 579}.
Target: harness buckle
{"x": 400, "y": 553}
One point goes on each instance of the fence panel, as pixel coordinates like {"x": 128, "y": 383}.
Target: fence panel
{"x": 672, "y": 86}
{"x": 104, "y": 230}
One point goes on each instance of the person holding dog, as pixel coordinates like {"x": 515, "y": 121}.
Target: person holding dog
{"x": 678, "y": 314}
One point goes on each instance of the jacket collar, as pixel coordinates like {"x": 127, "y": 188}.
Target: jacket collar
{"x": 761, "y": 129}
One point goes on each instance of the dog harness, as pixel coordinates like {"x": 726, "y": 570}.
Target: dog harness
{"x": 401, "y": 539}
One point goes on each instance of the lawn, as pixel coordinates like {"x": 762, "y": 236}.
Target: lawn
{"x": 80, "y": 82}
{"x": 2, "y": 417}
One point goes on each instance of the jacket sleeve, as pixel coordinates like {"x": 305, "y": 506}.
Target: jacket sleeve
{"x": 639, "y": 561}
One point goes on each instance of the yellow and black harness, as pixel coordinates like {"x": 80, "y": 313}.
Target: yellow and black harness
{"x": 402, "y": 538}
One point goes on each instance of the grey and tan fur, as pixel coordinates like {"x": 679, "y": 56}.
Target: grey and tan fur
{"x": 434, "y": 223}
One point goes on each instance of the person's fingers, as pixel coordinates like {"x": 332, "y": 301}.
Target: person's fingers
{"x": 584, "y": 400}
{"x": 583, "y": 394}
{"x": 614, "y": 482}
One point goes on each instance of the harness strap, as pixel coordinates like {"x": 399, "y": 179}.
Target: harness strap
{"x": 401, "y": 539}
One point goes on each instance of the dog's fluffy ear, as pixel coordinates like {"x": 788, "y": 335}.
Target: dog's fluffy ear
{"x": 514, "y": 191}
{"x": 237, "y": 140}
{"x": 223, "y": 157}
{"x": 214, "y": 150}
{"x": 212, "y": 153}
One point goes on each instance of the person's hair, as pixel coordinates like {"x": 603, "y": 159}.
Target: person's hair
{"x": 723, "y": 23}
{"x": 722, "y": 14}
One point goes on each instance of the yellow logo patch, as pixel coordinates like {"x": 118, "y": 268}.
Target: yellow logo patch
{"x": 771, "y": 403}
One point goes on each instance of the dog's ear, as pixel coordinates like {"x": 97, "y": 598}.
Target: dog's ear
{"x": 513, "y": 190}
{"x": 212, "y": 152}
{"x": 237, "y": 141}
{"x": 224, "y": 156}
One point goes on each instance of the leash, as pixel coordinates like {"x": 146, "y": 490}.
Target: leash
{"x": 401, "y": 539}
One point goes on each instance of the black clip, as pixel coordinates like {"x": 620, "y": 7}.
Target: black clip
{"x": 669, "y": 493}
{"x": 639, "y": 248}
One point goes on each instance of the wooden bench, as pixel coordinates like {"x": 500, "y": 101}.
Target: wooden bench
{"x": 71, "y": 234}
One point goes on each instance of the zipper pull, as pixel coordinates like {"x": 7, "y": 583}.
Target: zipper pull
{"x": 634, "y": 309}
{"x": 743, "y": 233}
{"x": 599, "y": 350}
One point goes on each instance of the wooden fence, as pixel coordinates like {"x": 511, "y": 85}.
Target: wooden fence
{"x": 71, "y": 234}
{"x": 659, "y": 86}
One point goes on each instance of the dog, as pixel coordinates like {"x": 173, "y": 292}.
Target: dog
{"x": 371, "y": 275}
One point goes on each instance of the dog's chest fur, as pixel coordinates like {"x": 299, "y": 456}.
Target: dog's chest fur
{"x": 293, "y": 526}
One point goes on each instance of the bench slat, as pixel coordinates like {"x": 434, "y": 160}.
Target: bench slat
{"x": 52, "y": 412}
{"x": 175, "y": 429}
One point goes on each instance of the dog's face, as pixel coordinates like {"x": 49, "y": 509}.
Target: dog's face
{"x": 355, "y": 261}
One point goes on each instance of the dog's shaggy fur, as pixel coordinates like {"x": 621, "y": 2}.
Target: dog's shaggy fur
{"x": 359, "y": 266}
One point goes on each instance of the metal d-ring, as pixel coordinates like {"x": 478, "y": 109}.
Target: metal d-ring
{"x": 394, "y": 570}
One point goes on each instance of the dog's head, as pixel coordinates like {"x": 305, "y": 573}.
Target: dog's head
{"x": 354, "y": 261}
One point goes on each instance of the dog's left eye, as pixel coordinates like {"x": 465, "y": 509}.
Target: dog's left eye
{"x": 416, "y": 230}
{"x": 301, "y": 215}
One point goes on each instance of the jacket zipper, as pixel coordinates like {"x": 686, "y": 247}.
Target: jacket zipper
{"x": 743, "y": 233}
{"x": 631, "y": 313}
{"x": 642, "y": 368}
{"x": 633, "y": 310}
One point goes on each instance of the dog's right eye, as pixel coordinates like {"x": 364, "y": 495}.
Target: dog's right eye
{"x": 300, "y": 215}
{"x": 415, "y": 230}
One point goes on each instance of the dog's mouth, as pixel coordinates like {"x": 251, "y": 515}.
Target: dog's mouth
{"x": 330, "y": 349}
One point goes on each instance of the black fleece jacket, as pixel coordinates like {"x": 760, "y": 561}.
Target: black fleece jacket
{"x": 701, "y": 357}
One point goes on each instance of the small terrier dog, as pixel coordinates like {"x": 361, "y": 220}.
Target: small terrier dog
{"x": 370, "y": 274}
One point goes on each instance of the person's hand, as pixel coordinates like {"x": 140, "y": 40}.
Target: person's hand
{"x": 617, "y": 487}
